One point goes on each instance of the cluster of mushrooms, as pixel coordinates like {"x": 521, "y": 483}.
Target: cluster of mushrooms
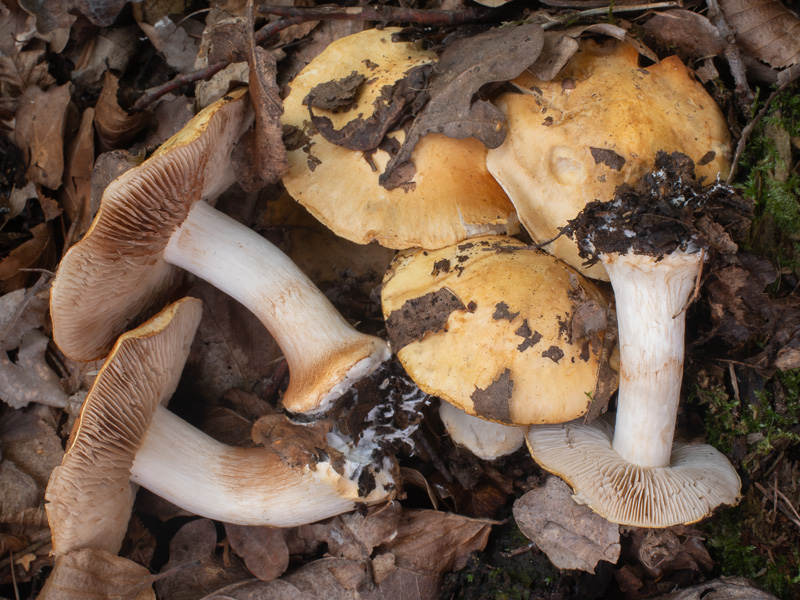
{"x": 512, "y": 339}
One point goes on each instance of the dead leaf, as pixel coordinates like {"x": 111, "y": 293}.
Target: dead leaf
{"x": 465, "y": 66}
{"x": 51, "y": 15}
{"x": 435, "y": 542}
{"x": 39, "y": 133}
{"x": 724, "y": 588}
{"x": 17, "y": 201}
{"x": 111, "y": 50}
{"x": 24, "y": 69}
{"x": 296, "y": 444}
{"x": 16, "y": 28}
{"x": 263, "y": 549}
{"x": 766, "y": 29}
{"x": 173, "y": 42}
{"x": 29, "y": 378}
{"x": 572, "y": 535}
{"x": 690, "y": 33}
{"x": 197, "y": 568}
{"x": 76, "y": 193}
{"x": 97, "y": 574}
{"x": 115, "y": 127}
{"x": 260, "y": 156}
{"x": 31, "y": 253}
{"x": 21, "y": 311}
{"x": 661, "y": 553}
{"x": 107, "y": 167}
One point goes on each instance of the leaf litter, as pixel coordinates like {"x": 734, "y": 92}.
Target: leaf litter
{"x": 234, "y": 377}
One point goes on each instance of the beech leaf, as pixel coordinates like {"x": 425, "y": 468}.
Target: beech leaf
{"x": 466, "y": 65}
{"x": 766, "y": 29}
{"x": 571, "y": 534}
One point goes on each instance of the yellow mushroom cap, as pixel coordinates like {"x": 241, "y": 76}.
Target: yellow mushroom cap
{"x": 452, "y": 197}
{"x": 488, "y": 324}
{"x": 117, "y": 270}
{"x": 598, "y": 124}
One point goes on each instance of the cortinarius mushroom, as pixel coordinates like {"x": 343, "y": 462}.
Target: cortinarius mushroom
{"x": 153, "y": 219}
{"x": 452, "y": 195}
{"x": 633, "y": 473}
{"x": 485, "y": 439}
{"x": 124, "y": 433}
{"x": 596, "y": 125}
{"x": 505, "y": 332}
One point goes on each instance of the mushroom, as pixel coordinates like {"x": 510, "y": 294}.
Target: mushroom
{"x": 153, "y": 219}
{"x": 450, "y": 197}
{"x": 498, "y": 329}
{"x": 124, "y": 433}
{"x": 596, "y": 125}
{"x": 633, "y": 473}
{"x": 485, "y": 439}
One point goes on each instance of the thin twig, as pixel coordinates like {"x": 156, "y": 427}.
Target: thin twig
{"x": 518, "y": 551}
{"x": 604, "y": 10}
{"x": 748, "y": 130}
{"x": 155, "y": 93}
{"x": 386, "y": 13}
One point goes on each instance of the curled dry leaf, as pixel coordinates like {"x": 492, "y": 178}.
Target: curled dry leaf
{"x": 572, "y": 535}
{"x": 97, "y": 574}
{"x": 39, "y": 133}
{"x": 21, "y": 70}
{"x": 691, "y": 33}
{"x": 115, "y": 127}
{"x": 766, "y": 29}
{"x": 263, "y": 549}
{"x": 33, "y": 252}
{"x": 465, "y": 66}
{"x": 52, "y": 15}
{"x": 76, "y": 193}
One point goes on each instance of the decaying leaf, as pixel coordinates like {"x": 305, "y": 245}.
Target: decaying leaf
{"x": 260, "y": 157}
{"x": 115, "y": 127}
{"x": 97, "y": 574}
{"x": 572, "y": 535}
{"x": 39, "y": 133}
{"x": 724, "y": 588}
{"x": 51, "y": 15}
{"x": 30, "y": 378}
{"x": 22, "y": 70}
{"x": 31, "y": 253}
{"x": 173, "y": 42}
{"x": 766, "y": 29}
{"x": 76, "y": 193}
{"x": 263, "y": 549}
{"x": 194, "y": 569}
{"x": 691, "y": 33}
{"x": 110, "y": 50}
{"x": 465, "y": 66}
{"x": 661, "y": 552}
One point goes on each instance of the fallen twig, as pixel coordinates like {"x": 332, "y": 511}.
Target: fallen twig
{"x": 605, "y": 10}
{"x": 731, "y": 53}
{"x": 385, "y": 13}
{"x": 155, "y": 93}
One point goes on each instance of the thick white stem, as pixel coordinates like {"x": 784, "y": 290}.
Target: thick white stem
{"x": 324, "y": 352}
{"x": 246, "y": 486}
{"x": 651, "y": 296}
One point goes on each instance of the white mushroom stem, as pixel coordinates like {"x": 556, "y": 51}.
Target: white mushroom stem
{"x": 324, "y": 352}
{"x": 245, "y": 486}
{"x": 651, "y": 296}
{"x": 485, "y": 439}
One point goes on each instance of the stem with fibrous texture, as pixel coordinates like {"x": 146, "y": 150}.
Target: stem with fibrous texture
{"x": 651, "y": 295}
{"x": 245, "y": 486}
{"x": 324, "y": 352}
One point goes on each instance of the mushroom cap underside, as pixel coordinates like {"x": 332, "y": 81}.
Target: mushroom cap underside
{"x": 116, "y": 272}
{"x": 89, "y": 496}
{"x": 598, "y": 124}
{"x": 488, "y": 326}
{"x": 698, "y": 479}
{"x": 452, "y": 195}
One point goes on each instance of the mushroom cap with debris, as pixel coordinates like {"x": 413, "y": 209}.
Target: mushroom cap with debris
{"x": 596, "y": 125}
{"x": 451, "y": 196}
{"x": 499, "y": 329}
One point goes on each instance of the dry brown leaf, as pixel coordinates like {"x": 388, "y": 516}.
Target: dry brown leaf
{"x": 260, "y": 156}
{"x": 433, "y": 542}
{"x": 16, "y": 28}
{"x": 111, "y": 50}
{"x": 115, "y": 127}
{"x": 30, "y": 253}
{"x": 173, "y": 42}
{"x": 263, "y": 549}
{"x": 691, "y": 33}
{"x": 724, "y": 588}
{"x": 99, "y": 575}
{"x": 766, "y": 29}
{"x": 335, "y": 579}
{"x": 18, "y": 491}
{"x": 196, "y": 569}
{"x": 169, "y": 116}
{"x": 107, "y": 167}
{"x": 51, "y": 15}
{"x": 39, "y": 133}
{"x": 499, "y": 54}
{"x": 22, "y": 70}
{"x": 76, "y": 194}
{"x": 572, "y": 535}
{"x": 29, "y": 378}
{"x": 21, "y": 311}
{"x": 661, "y": 552}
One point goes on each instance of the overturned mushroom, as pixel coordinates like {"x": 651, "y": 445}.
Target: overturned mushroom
{"x": 153, "y": 219}
{"x": 503, "y": 331}
{"x": 124, "y": 433}
{"x": 633, "y": 473}
{"x": 596, "y": 125}
{"x": 449, "y": 197}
